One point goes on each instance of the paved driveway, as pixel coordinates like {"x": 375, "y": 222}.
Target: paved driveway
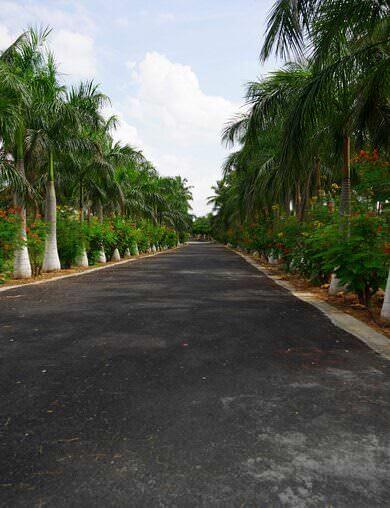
{"x": 187, "y": 379}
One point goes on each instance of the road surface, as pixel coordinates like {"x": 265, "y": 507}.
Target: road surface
{"x": 187, "y": 379}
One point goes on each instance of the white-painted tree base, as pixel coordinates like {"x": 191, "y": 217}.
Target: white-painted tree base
{"x": 272, "y": 260}
{"x": 135, "y": 250}
{"x": 154, "y": 250}
{"x": 22, "y": 265}
{"x": 385, "y": 312}
{"x": 101, "y": 258}
{"x": 335, "y": 285}
{"x": 82, "y": 259}
{"x": 51, "y": 260}
{"x": 116, "y": 256}
{"x": 127, "y": 254}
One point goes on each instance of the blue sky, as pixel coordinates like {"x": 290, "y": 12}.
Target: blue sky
{"x": 175, "y": 69}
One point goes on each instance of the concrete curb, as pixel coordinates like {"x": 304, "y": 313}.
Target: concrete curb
{"x": 373, "y": 339}
{"x": 84, "y": 272}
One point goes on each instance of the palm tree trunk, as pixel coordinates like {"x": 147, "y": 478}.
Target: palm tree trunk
{"x": 81, "y": 202}
{"x": 297, "y": 200}
{"x": 22, "y": 265}
{"x": 318, "y": 177}
{"x": 345, "y": 200}
{"x": 385, "y": 313}
{"x": 51, "y": 260}
{"x": 100, "y": 211}
{"x": 305, "y": 197}
{"x": 101, "y": 255}
{"x": 345, "y": 207}
{"x": 287, "y": 203}
{"x": 82, "y": 258}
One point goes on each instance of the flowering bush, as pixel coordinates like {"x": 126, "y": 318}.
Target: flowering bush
{"x": 320, "y": 245}
{"x": 74, "y": 235}
{"x": 360, "y": 259}
{"x": 372, "y": 173}
{"x": 9, "y": 228}
{"x": 36, "y": 234}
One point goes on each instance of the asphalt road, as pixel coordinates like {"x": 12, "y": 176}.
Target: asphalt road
{"x": 187, "y": 379}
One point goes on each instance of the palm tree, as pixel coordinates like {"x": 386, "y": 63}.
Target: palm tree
{"x": 22, "y": 60}
{"x": 349, "y": 61}
{"x": 56, "y": 141}
{"x": 53, "y": 129}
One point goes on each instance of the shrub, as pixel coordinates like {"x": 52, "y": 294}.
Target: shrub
{"x": 360, "y": 259}
{"x": 9, "y": 228}
{"x": 36, "y": 235}
{"x": 71, "y": 236}
{"x": 100, "y": 234}
{"x": 319, "y": 246}
{"x": 169, "y": 237}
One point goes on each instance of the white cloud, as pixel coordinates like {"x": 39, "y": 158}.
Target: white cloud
{"x": 5, "y": 37}
{"x": 130, "y": 64}
{"x": 125, "y": 133}
{"x": 71, "y": 38}
{"x": 23, "y": 14}
{"x": 172, "y": 91}
{"x": 179, "y": 122}
{"x": 74, "y": 54}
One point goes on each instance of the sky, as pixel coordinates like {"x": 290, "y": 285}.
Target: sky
{"x": 175, "y": 70}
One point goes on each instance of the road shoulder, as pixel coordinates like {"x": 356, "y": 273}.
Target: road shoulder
{"x": 55, "y": 276}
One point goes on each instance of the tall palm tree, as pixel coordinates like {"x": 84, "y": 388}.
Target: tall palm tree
{"x": 22, "y": 59}
{"x": 53, "y": 130}
{"x": 349, "y": 61}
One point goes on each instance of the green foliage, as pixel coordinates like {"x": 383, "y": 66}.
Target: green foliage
{"x": 36, "y": 234}
{"x": 60, "y": 134}
{"x": 372, "y": 175}
{"x": 321, "y": 245}
{"x": 360, "y": 257}
{"x": 169, "y": 237}
{"x": 122, "y": 233}
{"x": 71, "y": 237}
{"x": 9, "y": 228}
{"x": 202, "y": 225}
